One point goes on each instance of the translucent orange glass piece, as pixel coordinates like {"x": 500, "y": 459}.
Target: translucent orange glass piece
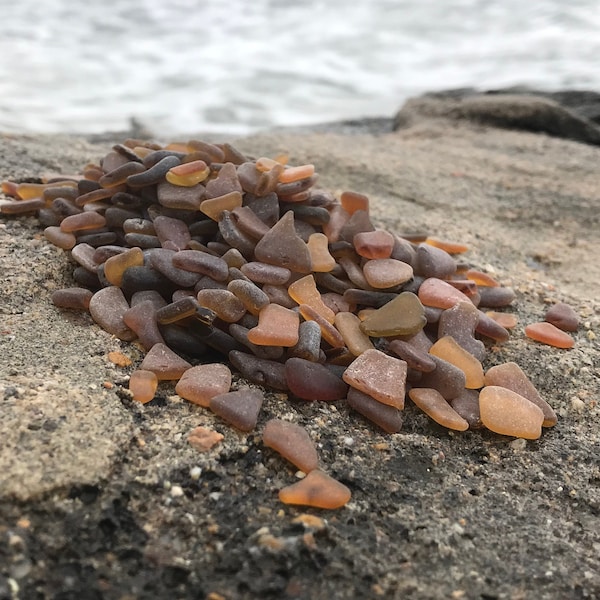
{"x": 506, "y": 320}
{"x": 434, "y": 405}
{"x": 447, "y": 348}
{"x": 188, "y": 174}
{"x": 448, "y": 246}
{"x": 214, "y": 207}
{"x": 353, "y": 201}
{"x": 143, "y": 385}
{"x": 317, "y": 489}
{"x": 481, "y": 278}
{"x": 546, "y": 333}
{"x": 348, "y": 324}
{"x": 277, "y": 326}
{"x": 304, "y": 291}
{"x": 296, "y": 173}
{"x": 293, "y": 442}
{"x": 321, "y": 259}
{"x": 115, "y": 266}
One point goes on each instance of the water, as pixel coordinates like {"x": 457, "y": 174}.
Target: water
{"x": 241, "y": 65}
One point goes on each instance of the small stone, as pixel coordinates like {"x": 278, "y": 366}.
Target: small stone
{"x": 508, "y": 413}
{"x": 293, "y": 443}
{"x": 546, "y": 333}
{"x": 203, "y": 439}
{"x": 202, "y": 382}
{"x": 162, "y": 361}
{"x": 240, "y": 408}
{"x": 563, "y": 316}
{"x": 381, "y": 376}
{"x": 433, "y": 404}
{"x": 317, "y": 489}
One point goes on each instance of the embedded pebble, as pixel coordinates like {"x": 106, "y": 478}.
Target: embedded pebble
{"x": 293, "y": 443}
{"x": 202, "y": 382}
{"x": 317, "y": 489}
{"x": 240, "y": 408}
{"x": 549, "y": 334}
{"x": 563, "y": 316}
{"x": 508, "y": 413}
{"x": 433, "y": 404}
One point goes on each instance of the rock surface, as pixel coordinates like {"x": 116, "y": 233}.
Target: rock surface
{"x": 105, "y": 498}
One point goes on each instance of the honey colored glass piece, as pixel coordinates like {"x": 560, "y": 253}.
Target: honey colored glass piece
{"x": 321, "y": 259}
{"x": 381, "y": 376}
{"x": 143, "y": 385}
{"x": 328, "y": 332}
{"x": 277, "y": 326}
{"x": 402, "y": 316}
{"x": 348, "y": 324}
{"x": 508, "y": 413}
{"x": 115, "y": 266}
{"x": 448, "y": 246}
{"x": 353, "y": 201}
{"x": 214, "y": 207}
{"x": 304, "y": 291}
{"x": 202, "y": 382}
{"x": 449, "y": 350}
{"x": 511, "y": 376}
{"x": 433, "y": 404}
{"x": 317, "y": 489}
{"x": 296, "y": 173}
{"x": 292, "y": 442}
{"x": 546, "y": 333}
{"x": 188, "y": 174}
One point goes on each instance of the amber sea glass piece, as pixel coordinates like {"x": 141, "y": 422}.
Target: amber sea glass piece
{"x": 143, "y": 385}
{"x": 202, "y": 382}
{"x": 317, "y": 489}
{"x": 433, "y": 404}
{"x": 162, "y": 361}
{"x": 277, "y": 326}
{"x": 448, "y": 349}
{"x": 293, "y": 442}
{"x": 546, "y": 333}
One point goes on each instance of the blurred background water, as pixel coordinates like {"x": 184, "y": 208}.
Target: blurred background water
{"x": 241, "y": 65}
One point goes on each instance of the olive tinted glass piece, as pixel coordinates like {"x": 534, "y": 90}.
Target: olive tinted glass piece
{"x": 402, "y": 316}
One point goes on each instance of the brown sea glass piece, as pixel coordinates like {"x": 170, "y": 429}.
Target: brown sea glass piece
{"x": 466, "y": 404}
{"x": 293, "y": 443}
{"x": 202, "y": 262}
{"x": 240, "y": 408}
{"x": 402, "y": 316}
{"x": 116, "y": 265}
{"x": 374, "y": 244}
{"x": 277, "y": 326}
{"x": 59, "y": 238}
{"x": 496, "y": 297}
{"x": 225, "y": 304}
{"x": 512, "y": 377}
{"x": 440, "y": 294}
{"x": 162, "y": 361}
{"x": 415, "y": 357}
{"x": 82, "y": 221}
{"x": 317, "y": 489}
{"x": 506, "y": 320}
{"x": 353, "y": 201}
{"x": 431, "y": 261}
{"x": 309, "y": 342}
{"x": 226, "y": 182}
{"x": 141, "y": 318}
{"x": 282, "y": 247}
{"x": 338, "y": 217}
{"x": 508, "y": 413}
{"x": 304, "y": 291}
{"x": 449, "y": 350}
{"x": 143, "y": 385}
{"x": 563, "y": 316}
{"x": 313, "y": 381}
{"x": 387, "y": 417}
{"x": 107, "y": 307}
{"x": 546, "y": 333}
{"x": 214, "y": 207}
{"x": 328, "y": 332}
{"x": 447, "y": 379}
{"x": 385, "y": 273}
{"x": 268, "y": 373}
{"x": 434, "y": 405}
{"x": 381, "y": 376}
{"x": 172, "y": 233}
{"x": 251, "y": 296}
{"x": 74, "y": 298}
{"x": 202, "y": 382}
{"x": 460, "y": 322}
{"x": 264, "y": 273}
{"x": 349, "y": 325}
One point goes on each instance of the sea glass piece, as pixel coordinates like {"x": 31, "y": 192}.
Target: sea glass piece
{"x": 508, "y": 413}
{"x": 268, "y": 373}
{"x": 304, "y": 291}
{"x": 381, "y": 376}
{"x": 431, "y": 261}
{"x": 162, "y": 361}
{"x": 349, "y": 325}
{"x": 448, "y": 349}
{"x": 213, "y": 207}
{"x": 252, "y": 297}
{"x": 374, "y": 244}
{"x": 496, "y": 297}
{"x": 309, "y": 342}
{"x": 313, "y": 381}
{"x": 143, "y": 385}
{"x": 466, "y": 404}
{"x": 188, "y": 174}
{"x": 387, "y": 417}
{"x": 240, "y": 408}
{"x": 74, "y": 298}
{"x": 226, "y": 182}
{"x": 386, "y": 272}
{"x": 434, "y": 405}
{"x": 321, "y": 259}
{"x": 293, "y": 442}
{"x": 82, "y": 221}
{"x": 447, "y": 245}
{"x": 512, "y": 377}
{"x": 415, "y": 357}
{"x": 460, "y": 322}
{"x": 264, "y": 273}
{"x": 202, "y": 382}
{"x": 171, "y": 230}
{"x": 107, "y": 307}
{"x": 141, "y": 318}
{"x": 328, "y": 332}
{"x": 202, "y": 262}
{"x": 563, "y": 316}
{"x": 506, "y": 320}
{"x": 225, "y": 304}
{"x": 115, "y": 266}
{"x": 317, "y": 489}
{"x": 277, "y": 326}
{"x": 353, "y": 201}
{"x": 282, "y": 247}
{"x": 402, "y": 316}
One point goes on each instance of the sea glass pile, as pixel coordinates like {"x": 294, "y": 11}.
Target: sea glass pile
{"x": 215, "y": 261}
